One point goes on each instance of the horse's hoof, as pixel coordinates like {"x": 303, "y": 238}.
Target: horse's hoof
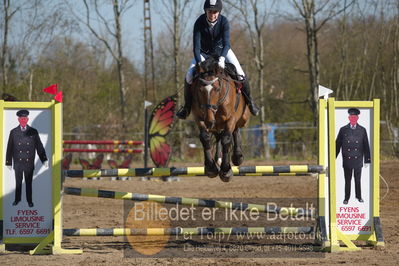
{"x": 237, "y": 159}
{"x": 226, "y": 176}
{"x": 211, "y": 174}
{"x": 212, "y": 171}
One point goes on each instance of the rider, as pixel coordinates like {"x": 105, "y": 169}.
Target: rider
{"x": 212, "y": 36}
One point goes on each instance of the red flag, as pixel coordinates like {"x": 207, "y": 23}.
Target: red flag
{"x": 53, "y": 89}
{"x": 58, "y": 97}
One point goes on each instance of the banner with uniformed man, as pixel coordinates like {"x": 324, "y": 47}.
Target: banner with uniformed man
{"x": 27, "y": 178}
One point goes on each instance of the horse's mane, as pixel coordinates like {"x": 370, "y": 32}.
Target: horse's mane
{"x": 210, "y": 65}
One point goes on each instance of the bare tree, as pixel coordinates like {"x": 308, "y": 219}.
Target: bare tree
{"x": 254, "y": 15}
{"x": 29, "y": 27}
{"x": 389, "y": 71}
{"x": 112, "y": 28}
{"x": 309, "y": 11}
{"x": 361, "y": 37}
{"x": 344, "y": 53}
{"x": 174, "y": 13}
{"x": 7, "y": 16}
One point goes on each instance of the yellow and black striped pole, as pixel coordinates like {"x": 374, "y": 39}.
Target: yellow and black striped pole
{"x": 124, "y": 178}
{"x": 187, "y": 231}
{"x": 89, "y": 192}
{"x": 197, "y": 171}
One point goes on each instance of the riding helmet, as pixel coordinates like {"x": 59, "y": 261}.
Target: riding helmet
{"x": 215, "y": 5}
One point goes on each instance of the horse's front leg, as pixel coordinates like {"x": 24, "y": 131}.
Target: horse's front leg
{"x": 237, "y": 158}
{"x": 211, "y": 169}
{"x": 218, "y": 152}
{"x": 225, "y": 169}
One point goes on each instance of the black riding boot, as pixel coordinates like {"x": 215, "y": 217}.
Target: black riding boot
{"x": 246, "y": 90}
{"x": 185, "y": 110}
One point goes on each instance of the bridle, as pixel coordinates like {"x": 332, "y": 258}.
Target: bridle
{"x": 205, "y": 83}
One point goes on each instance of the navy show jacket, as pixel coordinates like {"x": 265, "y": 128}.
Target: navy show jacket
{"x": 211, "y": 42}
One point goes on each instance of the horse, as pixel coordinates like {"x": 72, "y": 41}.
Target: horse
{"x": 219, "y": 109}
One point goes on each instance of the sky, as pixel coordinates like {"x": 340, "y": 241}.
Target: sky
{"x": 132, "y": 21}
{"x": 132, "y": 24}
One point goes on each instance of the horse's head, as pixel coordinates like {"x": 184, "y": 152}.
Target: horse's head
{"x": 209, "y": 89}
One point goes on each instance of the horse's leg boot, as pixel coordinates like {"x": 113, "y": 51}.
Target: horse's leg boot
{"x": 186, "y": 109}
{"x": 246, "y": 90}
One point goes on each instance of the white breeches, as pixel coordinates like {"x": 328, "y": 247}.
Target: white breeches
{"x": 230, "y": 58}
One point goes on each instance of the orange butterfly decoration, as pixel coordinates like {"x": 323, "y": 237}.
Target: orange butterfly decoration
{"x": 161, "y": 123}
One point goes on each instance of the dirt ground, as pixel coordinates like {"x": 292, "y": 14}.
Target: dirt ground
{"x": 86, "y": 212}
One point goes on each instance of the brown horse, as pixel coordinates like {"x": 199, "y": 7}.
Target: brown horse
{"x": 219, "y": 109}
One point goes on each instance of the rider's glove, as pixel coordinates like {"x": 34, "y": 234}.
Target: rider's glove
{"x": 221, "y": 62}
